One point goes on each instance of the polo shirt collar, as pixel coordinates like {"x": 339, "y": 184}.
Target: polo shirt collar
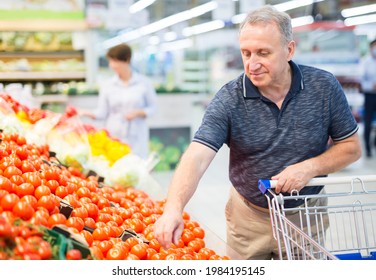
{"x": 251, "y": 91}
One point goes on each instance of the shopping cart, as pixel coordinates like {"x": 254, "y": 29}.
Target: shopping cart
{"x": 326, "y": 226}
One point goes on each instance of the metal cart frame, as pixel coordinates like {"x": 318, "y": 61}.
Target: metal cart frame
{"x": 342, "y": 228}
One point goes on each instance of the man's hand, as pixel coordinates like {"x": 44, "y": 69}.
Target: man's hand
{"x": 293, "y": 178}
{"x": 168, "y": 228}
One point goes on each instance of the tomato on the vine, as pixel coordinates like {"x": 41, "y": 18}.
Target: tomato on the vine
{"x": 73, "y": 254}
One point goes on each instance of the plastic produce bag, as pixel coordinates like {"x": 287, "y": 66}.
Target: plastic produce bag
{"x": 68, "y": 139}
{"x": 133, "y": 171}
{"x": 9, "y": 123}
{"x": 38, "y": 132}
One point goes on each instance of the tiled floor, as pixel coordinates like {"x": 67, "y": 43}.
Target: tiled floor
{"x": 208, "y": 203}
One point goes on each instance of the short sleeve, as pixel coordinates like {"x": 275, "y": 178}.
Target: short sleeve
{"x": 214, "y": 129}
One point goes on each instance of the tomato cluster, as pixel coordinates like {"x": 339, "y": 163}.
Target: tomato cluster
{"x": 33, "y": 186}
{"x": 23, "y": 241}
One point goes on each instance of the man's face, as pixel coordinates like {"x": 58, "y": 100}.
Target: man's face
{"x": 265, "y": 57}
{"x": 117, "y": 65}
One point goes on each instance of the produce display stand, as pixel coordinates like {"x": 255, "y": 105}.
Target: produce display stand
{"x": 112, "y": 220}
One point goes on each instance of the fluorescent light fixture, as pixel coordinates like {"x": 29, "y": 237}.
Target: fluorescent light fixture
{"x": 154, "y": 40}
{"x": 176, "y": 45}
{"x": 300, "y": 21}
{"x": 204, "y": 27}
{"x": 140, "y": 5}
{"x": 170, "y": 36}
{"x": 238, "y": 18}
{"x": 350, "y": 12}
{"x": 290, "y": 5}
{"x": 360, "y": 20}
{"x": 161, "y": 24}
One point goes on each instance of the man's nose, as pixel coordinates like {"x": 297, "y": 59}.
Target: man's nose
{"x": 254, "y": 66}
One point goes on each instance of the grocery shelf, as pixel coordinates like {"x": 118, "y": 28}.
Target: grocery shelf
{"x": 42, "y": 76}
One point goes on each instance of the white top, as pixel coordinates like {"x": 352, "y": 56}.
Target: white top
{"x": 117, "y": 99}
{"x": 368, "y": 74}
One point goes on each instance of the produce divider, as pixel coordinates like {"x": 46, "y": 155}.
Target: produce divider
{"x": 73, "y": 206}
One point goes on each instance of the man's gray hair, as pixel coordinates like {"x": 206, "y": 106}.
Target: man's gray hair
{"x": 269, "y": 14}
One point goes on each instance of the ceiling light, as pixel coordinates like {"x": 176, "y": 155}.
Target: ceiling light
{"x": 170, "y": 36}
{"x": 358, "y": 10}
{"x": 360, "y": 20}
{"x": 204, "y": 27}
{"x": 281, "y": 7}
{"x": 238, "y": 18}
{"x": 300, "y": 21}
{"x": 290, "y": 5}
{"x": 140, "y": 5}
{"x": 161, "y": 24}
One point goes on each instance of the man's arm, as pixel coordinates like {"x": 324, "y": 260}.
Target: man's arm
{"x": 190, "y": 170}
{"x": 337, "y": 157}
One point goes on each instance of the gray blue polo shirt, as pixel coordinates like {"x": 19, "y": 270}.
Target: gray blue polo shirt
{"x": 264, "y": 139}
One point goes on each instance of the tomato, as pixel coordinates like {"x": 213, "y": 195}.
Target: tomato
{"x": 41, "y": 190}
{"x": 49, "y": 202}
{"x": 96, "y": 252}
{"x": 5, "y": 184}
{"x": 56, "y": 219}
{"x": 52, "y": 184}
{"x": 131, "y": 256}
{"x": 45, "y": 250}
{"x": 103, "y": 202}
{"x": 8, "y": 201}
{"x": 27, "y": 166}
{"x": 17, "y": 179}
{"x": 139, "y": 250}
{"x": 24, "y": 189}
{"x": 100, "y": 234}
{"x": 172, "y": 257}
{"x": 92, "y": 210}
{"x": 23, "y": 210}
{"x": 187, "y": 257}
{"x": 32, "y": 178}
{"x": 198, "y": 232}
{"x": 206, "y": 252}
{"x": 159, "y": 256}
{"x": 80, "y": 212}
{"x": 88, "y": 237}
{"x": 30, "y": 199}
{"x": 137, "y": 225}
{"x": 105, "y": 245}
{"x": 83, "y": 192}
{"x": 73, "y": 254}
{"x": 196, "y": 244}
{"x": 5, "y": 229}
{"x": 131, "y": 241}
{"x": 21, "y": 140}
{"x": 187, "y": 236}
{"x": 2, "y": 194}
{"x": 38, "y": 220}
{"x": 11, "y": 170}
{"x": 51, "y": 173}
{"x": 75, "y": 222}
{"x": 116, "y": 253}
{"x": 61, "y": 191}
{"x": 73, "y": 201}
{"x": 22, "y": 152}
{"x": 89, "y": 222}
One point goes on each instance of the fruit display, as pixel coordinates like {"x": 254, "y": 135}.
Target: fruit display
{"x": 50, "y": 210}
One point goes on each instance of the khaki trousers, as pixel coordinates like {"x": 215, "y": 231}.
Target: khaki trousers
{"x": 249, "y": 230}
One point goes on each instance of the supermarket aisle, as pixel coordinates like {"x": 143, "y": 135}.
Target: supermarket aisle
{"x": 208, "y": 203}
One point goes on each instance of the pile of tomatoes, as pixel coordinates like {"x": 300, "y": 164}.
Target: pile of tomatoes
{"x": 33, "y": 186}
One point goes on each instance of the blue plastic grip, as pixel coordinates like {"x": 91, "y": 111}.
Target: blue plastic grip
{"x": 264, "y": 185}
